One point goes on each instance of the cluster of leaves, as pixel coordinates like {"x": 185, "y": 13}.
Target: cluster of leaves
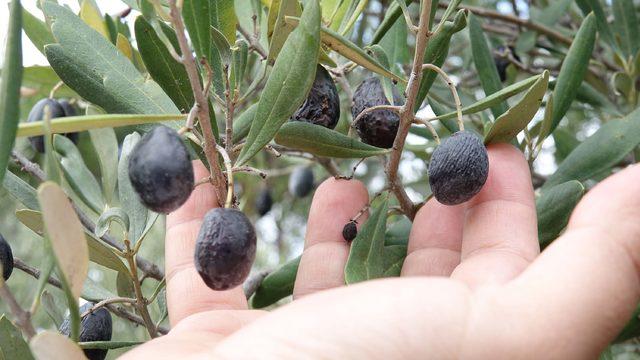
{"x": 574, "y": 69}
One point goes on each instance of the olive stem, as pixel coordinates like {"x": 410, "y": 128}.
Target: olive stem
{"x": 253, "y": 42}
{"x": 188, "y": 125}
{"x": 429, "y": 126}
{"x": 394, "y": 108}
{"x": 23, "y": 318}
{"x": 251, "y": 170}
{"x": 366, "y": 207}
{"x": 202, "y": 104}
{"x": 52, "y": 93}
{"x": 230, "y": 101}
{"x": 227, "y": 164}
{"x": 141, "y": 303}
{"x": 252, "y": 284}
{"x": 452, "y": 87}
{"x": 407, "y": 112}
{"x": 106, "y": 302}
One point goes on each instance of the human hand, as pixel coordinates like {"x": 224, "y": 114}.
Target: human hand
{"x": 473, "y": 284}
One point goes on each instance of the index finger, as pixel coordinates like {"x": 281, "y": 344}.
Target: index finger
{"x": 187, "y": 294}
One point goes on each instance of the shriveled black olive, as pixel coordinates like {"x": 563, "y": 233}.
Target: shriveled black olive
{"x": 264, "y": 201}
{"x": 379, "y": 127}
{"x": 301, "y": 182}
{"x": 322, "y": 106}
{"x": 96, "y": 326}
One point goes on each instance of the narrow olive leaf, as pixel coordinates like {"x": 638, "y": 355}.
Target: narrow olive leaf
{"x": 87, "y": 122}
{"x": 124, "y": 285}
{"x": 554, "y": 207}
{"x": 90, "y": 15}
{"x": 516, "y": 119}
{"x": 366, "y": 257}
{"x": 276, "y": 286}
{"x": 573, "y": 69}
{"x": 12, "y": 345}
{"x": 199, "y": 16}
{"x": 280, "y": 31}
{"x": 395, "y": 44}
{"x": 601, "y": 151}
{"x": 393, "y": 13}
{"x": 437, "y": 51}
{"x": 105, "y": 145}
{"x": 222, "y": 46}
{"x": 242, "y": 124}
{"x": 10, "y": 85}
{"x": 92, "y": 66}
{"x": 163, "y": 68}
{"x": 626, "y": 26}
{"x": 66, "y": 233}
{"x": 320, "y": 141}
{"x": 549, "y": 16}
{"x": 21, "y": 191}
{"x": 37, "y": 31}
{"x": 545, "y": 126}
{"x": 485, "y": 66}
{"x": 565, "y": 142}
{"x": 288, "y": 84}
{"x": 129, "y": 200}
{"x": 124, "y": 46}
{"x": 240, "y": 56}
{"x": 99, "y": 253}
{"x": 380, "y": 54}
{"x": 393, "y": 259}
{"x": 112, "y": 214}
{"x": 94, "y": 292}
{"x": 50, "y": 345}
{"x": 398, "y": 233}
{"x": 79, "y": 177}
{"x": 49, "y": 304}
{"x": 588, "y": 6}
{"x": 493, "y": 99}
{"x": 351, "y": 51}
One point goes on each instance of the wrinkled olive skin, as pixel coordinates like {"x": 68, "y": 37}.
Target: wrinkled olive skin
{"x": 377, "y": 128}
{"x": 264, "y": 201}
{"x": 56, "y": 110}
{"x": 502, "y": 62}
{"x": 6, "y": 258}
{"x": 160, "y": 170}
{"x": 459, "y": 168}
{"x": 350, "y": 231}
{"x": 322, "y": 106}
{"x": 225, "y": 248}
{"x": 96, "y": 326}
{"x": 301, "y": 182}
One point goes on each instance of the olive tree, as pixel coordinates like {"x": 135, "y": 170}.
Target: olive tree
{"x": 273, "y": 96}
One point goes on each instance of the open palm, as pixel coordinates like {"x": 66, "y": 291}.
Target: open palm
{"x": 473, "y": 284}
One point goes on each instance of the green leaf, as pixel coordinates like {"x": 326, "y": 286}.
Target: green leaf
{"x": 395, "y": 43}
{"x": 573, "y": 69}
{"x": 108, "y": 344}
{"x": 10, "y": 85}
{"x": 493, "y": 99}
{"x": 240, "y": 56}
{"x": 565, "y": 142}
{"x": 21, "y": 191}
{"x": 109, "y": 215}
{"x": 50, "y": 345}
{"x": 626, "y": 26}
{"x": 276, "y": 286}
{"x": 595, "y": 6}
{"x": 242, "y": 124}
{"x": 12, "y": 345}
{"x": 99, "y": 253}
{"x": 366, "y": 257}
{"x": 398, "y": 233}
{"x": 129, "y": 200}
{"x": 393, "y": 13}
{"x": 49, "y": 305}
{"x": 105, "y": 145}
{"x": 163, "y": 68}
{"x": 80, "y": 123}
{"x": 351, "y": 51}
{"x": 82, "y": 181}
{"x": 37, "y": 30}
{"x": 554, "y": 207}
{"x": 393, "y": 259}
{"x": 65, "y": 232}
{"x": 320, "y": 141}
{"x": 601, "y": 151}
{"x": 288, "y": 84}
{"x": 516, "y": 119}
{"x": 280, "y": 31}
{"x": 97, "y": 71}
{"x": 222, "y": 46}
{"x": 485, "y": 65}
{"x": 437, "y": 51}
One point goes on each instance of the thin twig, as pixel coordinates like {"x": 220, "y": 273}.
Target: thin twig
{"x": 227, "y": 164}
{"x": 452, "y": 87}
{"x": 106, "y": 302}
{"x": 23, "y": 318}
{"x": 203, "y": 106}
{"x": 250, "y": 170}
{"x": 141, "y": 303}
{"x": 426, "y": 123}
{"x": 254, "y": 44}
